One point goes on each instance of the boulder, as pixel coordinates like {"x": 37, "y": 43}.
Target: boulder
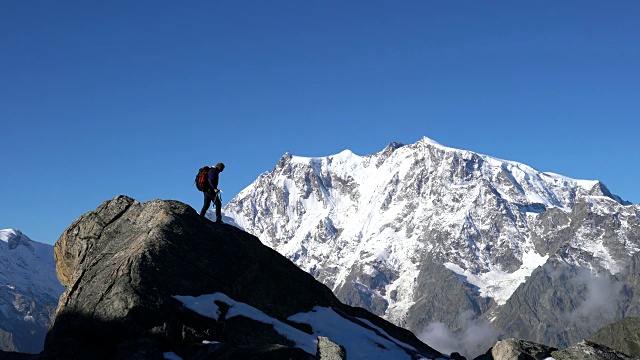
{"x": 328, "y": 350}
{"x": 515, "y": 349}
{"x": 135, "y": 273}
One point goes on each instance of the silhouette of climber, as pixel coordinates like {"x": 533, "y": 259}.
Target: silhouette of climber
{"x": 212, "y": 193}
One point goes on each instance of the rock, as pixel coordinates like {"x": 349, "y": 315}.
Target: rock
{"x": 622, "y": 336}
{"x": 587, "y": 350}
{"x": 124, "y": 263}
{"x": 515, "y": 349}
{"x": 520, "y": 349}
{"x": 139, "y": 349}
{"x": 328, "y": 350}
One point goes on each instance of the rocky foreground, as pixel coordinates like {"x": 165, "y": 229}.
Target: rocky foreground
{"x": 153, "y": 280}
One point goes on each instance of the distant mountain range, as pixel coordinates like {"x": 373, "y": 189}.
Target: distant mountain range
{"x": 29, "y": 292}
{"x": 443, "y": 240}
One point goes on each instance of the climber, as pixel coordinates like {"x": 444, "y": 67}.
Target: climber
{"x": 212, "y": 193}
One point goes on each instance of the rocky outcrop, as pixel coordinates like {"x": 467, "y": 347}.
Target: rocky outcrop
{"x": 146, "y": 279}
{"x": 622, "y": 336}
{"x": 514, "y": 349}
{"x": 439, "y": 294}
{"x": 328, "y": 350}
{"x": 587, "y": 350}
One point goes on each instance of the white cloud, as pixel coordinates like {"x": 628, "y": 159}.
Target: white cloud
{"x": 475, "y": 338}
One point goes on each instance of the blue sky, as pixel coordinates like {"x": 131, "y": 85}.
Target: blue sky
{"x": 105, "y": 98}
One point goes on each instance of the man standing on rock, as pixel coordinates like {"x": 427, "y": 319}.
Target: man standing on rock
{"x": 212, "y": 193}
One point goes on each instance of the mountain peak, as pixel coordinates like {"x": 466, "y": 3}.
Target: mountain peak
{"x": 15, "y": 238}
{"x": 598, "y": 188}
{"x": 428, "y": 141}
{"x": 394, "y": 145}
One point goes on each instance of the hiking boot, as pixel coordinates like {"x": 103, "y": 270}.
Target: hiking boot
{"x": 219, "y": 221}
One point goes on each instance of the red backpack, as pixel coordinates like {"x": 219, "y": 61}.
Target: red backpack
{"x": 202, "y": 179}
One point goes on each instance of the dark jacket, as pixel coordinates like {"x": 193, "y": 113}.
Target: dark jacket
{"x": 213, "y": 177}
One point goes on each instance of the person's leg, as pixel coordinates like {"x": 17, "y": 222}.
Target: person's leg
{"x": 207, "y": 203}
{"x": 218, "y": 205}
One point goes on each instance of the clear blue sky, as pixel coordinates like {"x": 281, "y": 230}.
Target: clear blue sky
{"x": 101, "y": 98}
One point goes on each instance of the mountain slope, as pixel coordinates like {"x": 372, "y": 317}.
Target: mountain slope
{"x": 29, "y": 291}
{"x": 590, "y": 280}
{"x": 623, "y": 336}
{"x": 378, "y": 229}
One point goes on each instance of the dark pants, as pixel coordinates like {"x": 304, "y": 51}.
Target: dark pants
{"x": 209, "y": 196}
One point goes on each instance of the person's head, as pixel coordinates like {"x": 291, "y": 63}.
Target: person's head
{"x": 220, "y": 166}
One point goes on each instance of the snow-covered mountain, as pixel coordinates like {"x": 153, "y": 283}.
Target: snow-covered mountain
{"x": 29, "y": 291}
{"x": 424, "y": 234}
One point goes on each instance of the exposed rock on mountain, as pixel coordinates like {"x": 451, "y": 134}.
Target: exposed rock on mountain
{"x": 586, "y": 350}
{"x": 391, "y": 231}
{"x": 590, "y": 280}
{"x": 29, "y": 292}
{"x": 328, "y": 350}
{"x": 511, "y": 349}
{"x": 514, "y": 349}
{"x": 622, "y": 336}
{"x": 153, "y": 278}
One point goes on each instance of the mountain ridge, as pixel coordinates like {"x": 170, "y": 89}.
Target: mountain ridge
{"x": 364, "y": 225}
{"x": 29, "y": 291}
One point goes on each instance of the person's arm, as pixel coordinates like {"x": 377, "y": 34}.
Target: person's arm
{"x": 213, "y": 179}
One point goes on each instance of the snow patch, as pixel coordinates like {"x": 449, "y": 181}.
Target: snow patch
{"x": 427, "y": 141}
{"x": 497, "y": 284}
{"x": 171, "y": 356}
{"x": 7, "y": 234}
{"x": 204, "y": 304}
{"x": 199, "y": 304}
{"x": 360, "y": 341}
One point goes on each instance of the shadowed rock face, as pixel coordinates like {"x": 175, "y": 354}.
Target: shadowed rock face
{"x": 123, "y": 263}
{"x": 622, "y": 336}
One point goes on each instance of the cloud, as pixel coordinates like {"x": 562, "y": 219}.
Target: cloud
{"x": 439, "y": 337}
{"x": 474, "y": 338}
{"x": 602, "y": 294}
